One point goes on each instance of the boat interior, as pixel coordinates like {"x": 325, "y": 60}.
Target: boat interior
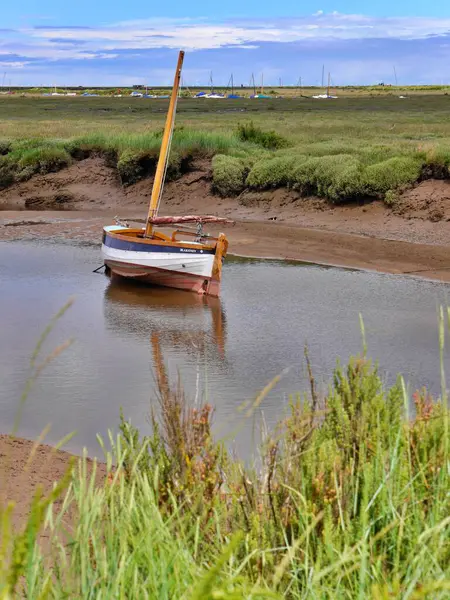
{"x": 205, "y": 240}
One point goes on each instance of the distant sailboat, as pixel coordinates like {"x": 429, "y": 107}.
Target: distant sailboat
{"x": 232, "y": 95}
{"x": 327, "y": 95}
{"x": 149, "y": 255}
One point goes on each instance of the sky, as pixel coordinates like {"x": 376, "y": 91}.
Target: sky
{"x": 102, "y": 42}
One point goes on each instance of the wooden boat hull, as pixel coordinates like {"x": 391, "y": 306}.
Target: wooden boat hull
{"x": 183, "y": 265}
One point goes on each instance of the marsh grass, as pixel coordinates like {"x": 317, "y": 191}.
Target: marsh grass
{"x": 134, "y": 155}
{"x": 369, "y": 147}
{"x": 270, "y": 140}
{"x": 349, "y": 498}
{"x": 229, "y": 175}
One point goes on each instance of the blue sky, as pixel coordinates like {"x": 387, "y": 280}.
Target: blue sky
{"x": 90, "y": 42}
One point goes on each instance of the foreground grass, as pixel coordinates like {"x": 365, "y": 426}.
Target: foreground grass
{"x": 338, "y": 149}
{"x": 349, "y": 498}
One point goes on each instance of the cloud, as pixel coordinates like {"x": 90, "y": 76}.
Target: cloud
{"x": 346, "y": 41}
{"x": 13, "y": 64}
{"x": 203, "y": 34}
{"x": 62, "y": 27}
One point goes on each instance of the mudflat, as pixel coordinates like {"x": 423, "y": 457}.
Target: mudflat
{"x": 26, "y": 466}
{"x": 74, "y": 204}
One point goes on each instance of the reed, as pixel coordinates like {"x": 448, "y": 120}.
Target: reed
{"x": 348, "y": 498}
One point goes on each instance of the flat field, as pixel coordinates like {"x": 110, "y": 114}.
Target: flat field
{"x": 419, "y": 118}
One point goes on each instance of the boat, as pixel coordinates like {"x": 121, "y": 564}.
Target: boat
{"x": 167, "y": 258}
{"x": 327, "y": 95}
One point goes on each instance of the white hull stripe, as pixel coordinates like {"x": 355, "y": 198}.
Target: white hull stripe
{"x": 198, "y": 265}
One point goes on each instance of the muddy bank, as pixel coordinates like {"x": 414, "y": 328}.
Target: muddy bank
{"x": 24, "y": 468}
{"x": 74, "y": 204}
{"x": 256, "y": 239}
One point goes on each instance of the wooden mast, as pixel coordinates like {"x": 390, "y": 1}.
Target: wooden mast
{"x": 165, "y": 149}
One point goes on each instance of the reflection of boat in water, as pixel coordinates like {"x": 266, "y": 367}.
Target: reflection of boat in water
{"x": 188, "y": 322}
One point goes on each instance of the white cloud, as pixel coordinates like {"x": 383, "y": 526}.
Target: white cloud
{"x": 33, "y": 51}
{"x": 16, "y": 64}
{"x": 202, "y": 34}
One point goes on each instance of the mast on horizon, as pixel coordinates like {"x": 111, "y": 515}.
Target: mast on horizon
{"x": 254, "y": 85}
{"x": 395, "y": 76}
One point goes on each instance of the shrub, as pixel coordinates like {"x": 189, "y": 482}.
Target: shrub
{"x": 370, "y": 156}
{"x": 334, "y": 177}
{"x": 6, "y": 174}
{"x": 391, "y": 174}
{"x": 274, "y": 172}
{"x": 249, "y": 132}
{"x": 5, "y": 147}
{"x": 391, "y": 197}
{"x": 129, "y": 167}
{"x": 92, "y": 144}
{"x": 304, "y": 176}
{"x": 46, "y": 159}
{"x": 133, "y": 166}
{"x": 437, "y": 163}
{"x": 346, "y": 182}
{"x": 228, "y": 175}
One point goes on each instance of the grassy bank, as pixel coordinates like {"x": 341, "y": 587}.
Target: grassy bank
{"x": 339, "y": 149}
{"x": 248, "y": 158}
{"x": 348, "y": 498}
{"x": 134, "y": 155}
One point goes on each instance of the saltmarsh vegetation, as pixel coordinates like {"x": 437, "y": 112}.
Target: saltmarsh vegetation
{"x": 349, "y": 498}
{"x": 341, "y": 150}
{"x": 134, "y": 155}
{"x": 258, "y": 160}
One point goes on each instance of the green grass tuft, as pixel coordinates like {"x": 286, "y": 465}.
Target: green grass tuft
{"x": 249, "y": 132}
{"x": 228, "y": 175}
{"x": 391, "y": 174}
{"x": 29, "y": 157}
{"x": 5, "y": 147}
{"x": 337, "y": 177}
{"x": 275, "y": 171}
{"x": 44, "y": 160}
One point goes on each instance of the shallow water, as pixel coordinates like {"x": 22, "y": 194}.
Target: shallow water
{"x": 224, "y": 351}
